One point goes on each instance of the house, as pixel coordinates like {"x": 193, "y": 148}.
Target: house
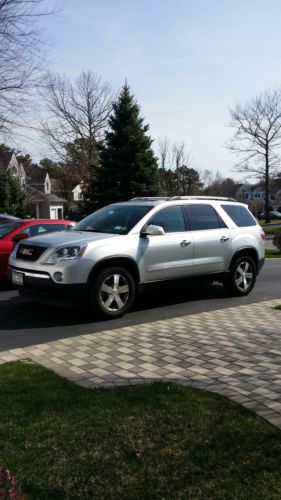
{"x": 77, "y": 192}
{"x": 10, "y": 163}
{"x": 43, "y": 203}
{"x": 254, "y": 196}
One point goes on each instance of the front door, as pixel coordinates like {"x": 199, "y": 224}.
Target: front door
{"x": 53, "y": 213}
{"x": 170, "y": 255}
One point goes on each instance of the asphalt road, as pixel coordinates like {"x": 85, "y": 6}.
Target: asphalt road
{"x": 23, "y": 323}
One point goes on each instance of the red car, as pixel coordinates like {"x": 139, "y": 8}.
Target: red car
{"x": 13, "y": 232}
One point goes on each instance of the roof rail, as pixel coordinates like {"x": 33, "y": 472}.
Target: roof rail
{"x": 219, "y": 198}
{"x": 150, "y": 198}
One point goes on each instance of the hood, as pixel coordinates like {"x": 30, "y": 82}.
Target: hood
{"x": 59, "y": 238}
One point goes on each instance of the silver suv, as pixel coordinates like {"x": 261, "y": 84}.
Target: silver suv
{"x": 106, "y": 258}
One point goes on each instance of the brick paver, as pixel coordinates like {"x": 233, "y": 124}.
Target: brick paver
{"x": 235, "y": 352}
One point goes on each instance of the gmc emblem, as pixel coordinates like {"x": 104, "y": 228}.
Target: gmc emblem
{"x": 26, "y": 251}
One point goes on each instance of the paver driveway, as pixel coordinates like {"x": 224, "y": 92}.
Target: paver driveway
{"x": 235, "y": 352}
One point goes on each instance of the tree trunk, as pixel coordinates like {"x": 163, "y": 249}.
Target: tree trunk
{"x": 267, "y": 201}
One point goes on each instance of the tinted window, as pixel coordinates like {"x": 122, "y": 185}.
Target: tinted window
{"x": 240, "y": 215}
{"x": 36, "y": 229}
{"x": 8, "y": 228}
{"x": 171, "y": 219}
{"x": 203, "y": 217}
{"x": 116, "y": 219}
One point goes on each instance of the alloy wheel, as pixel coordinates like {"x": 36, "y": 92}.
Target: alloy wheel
{"x": 114, "y": 292}
{"x": 244, "y": 276}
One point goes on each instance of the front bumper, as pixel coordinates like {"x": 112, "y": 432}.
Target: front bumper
{"x": 39, "y": 287}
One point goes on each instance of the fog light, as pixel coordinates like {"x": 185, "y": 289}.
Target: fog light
{"x": 58, "y": 277}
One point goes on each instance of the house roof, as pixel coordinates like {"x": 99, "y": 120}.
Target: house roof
{"x": 57, "y": 185}
{"x": 5, "y": 158}
{"x": 35, "y": 196}
{"x": 35, "y": 175}
{"x": 54, "y": 198}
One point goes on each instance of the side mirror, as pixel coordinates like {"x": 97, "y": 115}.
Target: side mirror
{"x": 20, "y": 236}
{"x": 152, "y": 230}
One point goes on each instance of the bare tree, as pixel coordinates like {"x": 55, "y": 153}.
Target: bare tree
{"x": 177, "y": 177}
{"x": 179, "y": 155}
{"x": 211, "y": 182}
{"x": 257, "y": 137}
{"x": 78, "y": 114}
{"x": 21, "y": 56}
{"x": 172, "y": 155}
{"x": 164, "y": 147}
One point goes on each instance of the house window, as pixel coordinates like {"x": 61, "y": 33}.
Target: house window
{"x": 257, "y": 195}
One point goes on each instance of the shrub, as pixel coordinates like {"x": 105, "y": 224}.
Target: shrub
{"x": 9, "y": 489}
{"x": 277, "y": 241}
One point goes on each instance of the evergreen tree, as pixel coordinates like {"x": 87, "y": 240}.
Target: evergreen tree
{"x": 11, "y": 196}
{"x": 128, "y": 166}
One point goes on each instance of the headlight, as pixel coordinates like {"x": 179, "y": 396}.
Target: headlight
{"x": 66, "y": 253}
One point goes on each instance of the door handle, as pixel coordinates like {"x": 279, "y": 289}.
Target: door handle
{"x": 224, "y": 238}
{"x": 185, "y": 243}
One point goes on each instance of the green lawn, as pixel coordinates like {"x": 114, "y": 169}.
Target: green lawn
{"x": 272, "y": 254}
{"x": 154, "y": 441}
{"x": 271, "y": 230}
{"x": 273, "y": 221}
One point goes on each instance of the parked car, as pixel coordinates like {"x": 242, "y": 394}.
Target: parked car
{"x": 114, "y": 251}
{"x": 273, "y": 214}
{"x": 7, "y": 218}
{"x": 13, "y": 232}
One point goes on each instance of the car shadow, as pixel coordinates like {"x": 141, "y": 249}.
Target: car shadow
{"x": 23, "y": 323}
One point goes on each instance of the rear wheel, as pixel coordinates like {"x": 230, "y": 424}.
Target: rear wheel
{"x": 242, "y": 276}
{"x": 113, "y": 292}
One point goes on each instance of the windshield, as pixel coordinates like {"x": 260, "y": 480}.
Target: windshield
{"x": 8, "y": 228}
{"x": 115, "y": 219}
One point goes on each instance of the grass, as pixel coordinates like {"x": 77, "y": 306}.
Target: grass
{"x": 159, "y": 441}
{"x": 272, "y": 254}
{"x": 273, "y": 230}
{"x": 273, "y": 221}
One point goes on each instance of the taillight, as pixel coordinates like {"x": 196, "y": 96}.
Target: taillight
{"x": 262, "y": 236}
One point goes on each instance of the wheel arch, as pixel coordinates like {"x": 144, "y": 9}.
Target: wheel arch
{"x": 126, "y": 262}
{"x": 246, "y": 252}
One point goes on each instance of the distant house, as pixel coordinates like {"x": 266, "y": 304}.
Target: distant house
{"x": 77, "y": 192}
{"x": 46, "y": 198}
{"x": 10, "y": 163}
{"x": 244, "y": 193}
{"x": 44, "y": 204}
{"x": 254, "y": 196}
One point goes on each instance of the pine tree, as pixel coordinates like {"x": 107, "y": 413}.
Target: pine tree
{"x": 128, "y": 166}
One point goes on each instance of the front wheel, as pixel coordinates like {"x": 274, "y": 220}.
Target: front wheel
{"x": 242, "y": 276}
{"x": 113, "y": 292}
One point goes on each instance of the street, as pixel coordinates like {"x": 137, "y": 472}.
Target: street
{"x": 25, "y": 324}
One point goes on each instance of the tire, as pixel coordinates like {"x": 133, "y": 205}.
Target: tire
{"x": 242, "y": 276}
{"x": 113, "y": 293}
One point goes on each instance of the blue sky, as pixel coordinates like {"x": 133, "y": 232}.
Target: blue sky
{"x": 187, "y": 61}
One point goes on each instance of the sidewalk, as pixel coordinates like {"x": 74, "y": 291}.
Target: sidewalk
{"x": 235, "y": 352}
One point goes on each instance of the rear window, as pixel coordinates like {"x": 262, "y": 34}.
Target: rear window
{"x": 203, "y": 217}
{"x": 240, "y": 215}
